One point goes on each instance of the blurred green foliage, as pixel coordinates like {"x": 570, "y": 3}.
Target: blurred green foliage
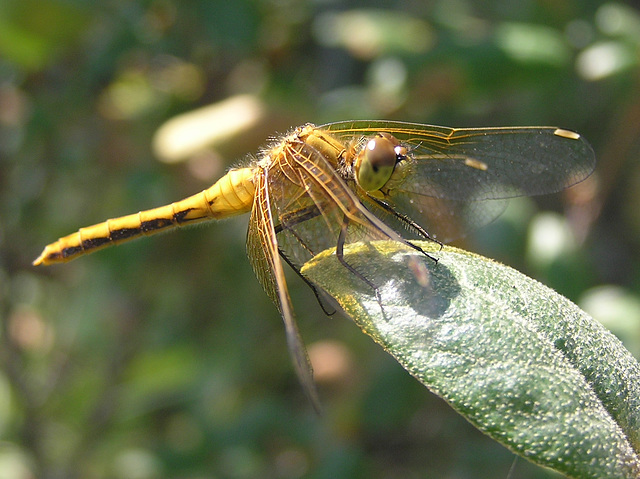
{"x": 163, "y": 358}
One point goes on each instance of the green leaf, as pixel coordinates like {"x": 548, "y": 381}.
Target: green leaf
{"x": 522, "y": 363}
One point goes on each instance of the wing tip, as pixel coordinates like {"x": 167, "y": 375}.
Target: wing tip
{"x": 568, "y": 134}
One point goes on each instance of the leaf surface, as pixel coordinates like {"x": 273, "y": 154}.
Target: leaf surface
{"x": 521, "y": 362}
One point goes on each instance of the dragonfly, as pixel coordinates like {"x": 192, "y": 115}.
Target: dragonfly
{"x": 321, "y": 187}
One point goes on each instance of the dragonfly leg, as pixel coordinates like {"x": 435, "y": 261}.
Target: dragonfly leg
{"x": 409, "y": 223}
{"x": 286, "y": 224}
{"x": 420, "y": 250}
{"x": 320, "y": 295}
{"x": 358, "y": 274}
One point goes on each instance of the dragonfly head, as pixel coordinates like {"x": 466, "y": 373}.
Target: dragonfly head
{"x": 377, "y": 160}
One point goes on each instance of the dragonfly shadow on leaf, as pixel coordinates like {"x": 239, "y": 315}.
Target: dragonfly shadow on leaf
{"x": 410, "y": 284}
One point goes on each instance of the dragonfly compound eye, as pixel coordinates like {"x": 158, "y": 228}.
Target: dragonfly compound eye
{"x": 377, "y": 160}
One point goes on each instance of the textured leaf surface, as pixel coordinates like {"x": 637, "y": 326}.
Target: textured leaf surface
{"x": 521, "y": 362}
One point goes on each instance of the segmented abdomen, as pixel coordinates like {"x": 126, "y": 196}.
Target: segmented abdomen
{"x": 231, "y": 195}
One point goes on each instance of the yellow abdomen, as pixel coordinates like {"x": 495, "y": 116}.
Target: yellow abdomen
{"x": 231, "y": 195}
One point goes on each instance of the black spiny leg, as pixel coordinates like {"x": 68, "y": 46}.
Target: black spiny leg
{"x": 411, "y": 224}
{"x": 319, "y": 294}
{"x": 340, "y": 256}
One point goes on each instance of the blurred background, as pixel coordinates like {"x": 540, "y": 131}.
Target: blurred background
{"x": 163, "y": 358}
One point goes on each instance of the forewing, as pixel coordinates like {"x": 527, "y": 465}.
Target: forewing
{"x": 262, "y": 249}
{"x": 468, "y": 164}
{"x": 448, "y": 171}
{"x": 312, "y": 204}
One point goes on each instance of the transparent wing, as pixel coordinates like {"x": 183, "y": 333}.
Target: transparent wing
{"x": 443, "y": 219}
{"x": 449, "y": 170}
{"x": 483, "y": 163}
{"x": 312, "y": 205}
{"x": 262, "y": 249}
